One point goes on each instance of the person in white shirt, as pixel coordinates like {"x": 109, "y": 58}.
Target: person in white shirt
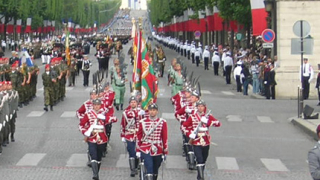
{"x": 306, "y": 76}
{"x": 206, "y": 56}
{"x": 193, "y": 50}
{"x": 237, "y": 75}
{"x": 224, "y": 55}
{"x": 3, "y": 45}
{"x": 228, "y": 63}
{"x": 215, "y": 63}
{"x": 198, "y": 55}
{"x": 188, "y": 50}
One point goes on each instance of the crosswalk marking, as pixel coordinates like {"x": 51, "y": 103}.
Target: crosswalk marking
{"x": 229, "y": 93}
{"x": 227, "y": 163}
{"x": 274, "y": 164}
{"x": 30, "y": 159}
{"x": 68, "y": 114}
{"x": 205, "y": 92}
{"x": 77, "y": 160}
{"x": 168, "y": 116}
{"x": 35, "y": 114}
{"x": 265, "y": 119}
{"x": 234, "y": 118}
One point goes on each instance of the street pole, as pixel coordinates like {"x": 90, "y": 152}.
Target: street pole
{"x": 301, "y": 48}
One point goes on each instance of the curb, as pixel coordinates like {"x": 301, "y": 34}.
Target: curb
{"x": 305, "y": 126}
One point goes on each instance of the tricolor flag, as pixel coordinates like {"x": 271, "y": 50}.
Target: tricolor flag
{"x": 25, "y": 58}
{"x": 10, "y": 26}
{"x": 69, "y": 25}
{"x": 28, "y": 27}
{"x": 18, "y": 26}
{"x": 259, "y": 16}
{"x": 217, "y": 20}
{"x": 95, "y": 26}
{"x": 45, "y": 26}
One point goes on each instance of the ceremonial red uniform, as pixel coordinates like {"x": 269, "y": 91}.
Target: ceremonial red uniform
{"x": 194, "y": 124}
{"x": 129, "y": 123}
{"x": 152, "y": 137}
{"x": 85, "y": 107}
{"x": 181, "y": 115}
{"x": 108, "y": 98}
{"x": 98, "y": 134}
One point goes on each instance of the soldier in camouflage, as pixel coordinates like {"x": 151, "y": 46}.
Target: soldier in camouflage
{"x": 49, "y": 81}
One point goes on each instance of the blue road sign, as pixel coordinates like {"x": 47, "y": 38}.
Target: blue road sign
{"x": 268, "y": 35}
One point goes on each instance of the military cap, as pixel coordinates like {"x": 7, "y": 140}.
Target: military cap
{"x": 96, "y": 101}
{"x": 47, "y": 66}
{"x": 200, "y": 102}
{"x": 195, "y": 93}
{"x": 132, "y": 98}
{"x": 153, "y": 106}
{"x": 93, "y": 91}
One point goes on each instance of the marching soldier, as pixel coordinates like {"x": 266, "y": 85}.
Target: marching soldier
{"x": 92, "y": 126}
{"x": 152, "y": 142}
{"x": 197, "y": 129}
{"x": 161, "y": 58}
{"x": 5, "y": 111}
{"x": 171, "y": 71}
{"x": 48, "y": 80}
{"x": 78, "y": 56}
{"x": 118, "y": 48}
{"x": 86, "y": 63}
{"x": 72, "y": 73}
{"x": 119, "y": 87}
{"x": 63, "y": 79}
{"x": 34, "y": 79}
{"x": 116, "y": 63}
{"x": 198, "y": 54}
{"x": 13, "y": 106}
{"x": 17, "y": 81}
{"x": 177, "y": 80}
{"x": 129, "y": 122}
{"x": 54, "y": 75}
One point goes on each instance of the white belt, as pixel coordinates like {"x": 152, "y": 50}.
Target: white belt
{"x": 153, "y": 142}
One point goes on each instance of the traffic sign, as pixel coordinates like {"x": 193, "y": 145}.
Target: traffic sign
{"x": 303, "y": 26}
{"x": 267, "y": 45}
{"x": 268, "y": 35}
{"x": 239, "y": 36}
{"x": 197, "y": 34}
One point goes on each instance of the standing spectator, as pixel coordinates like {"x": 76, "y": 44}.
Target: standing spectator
{"x": 206, "y": 56}
{"x": 3, "y": 45}
{"x": 255, "y": 70}
{"x": 228, "y": 63}
{"x": 246, "y": 79}
{"x": 265, "y": 79}
{"x": 237, "y": 74}
{"x": 224, "y": 55}
{"x": 306, "y": 76}
{"x": 216, "y": 62}
{"x": 198, "y": 54}
{"x": 272, "y": 82}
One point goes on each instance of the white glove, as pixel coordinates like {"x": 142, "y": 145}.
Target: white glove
{"x": 309, "y": 80}
{"x": 88, "y": 132}
{"x": 123, "y": 140}
{"x": 265, "y": 82}
{"x": 164, "y": 158}
{"x": 204, "y": 120}
{"x": 101, "y": 116}
{"x": 138, "y": 154}
{"x": 141, "y": 112}
{"x": 10, "y": 116}
{"x": 192, "y": 136}
{"x": 188, "y": 110}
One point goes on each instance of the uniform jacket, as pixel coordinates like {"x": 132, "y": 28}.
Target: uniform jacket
{"x": 129, "y": 123}
{"x": 152, "y": 137}
{"x": 194, "y": 124}
{"x": 98, "y": 134}
{"x": 108, "y": 98}
{"x": 314, "y": 161}
{"x": 85, "y": 107}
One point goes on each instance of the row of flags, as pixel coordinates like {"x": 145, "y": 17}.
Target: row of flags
{"x": 143, "y": 77}
{"x": 48, "y": 26}
{"x": 214, "y": 22}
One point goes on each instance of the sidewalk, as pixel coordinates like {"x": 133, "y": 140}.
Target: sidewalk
{"x": 308, "y": 126}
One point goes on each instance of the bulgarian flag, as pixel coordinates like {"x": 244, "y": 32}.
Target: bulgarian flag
{"x": 149, "y": 87}
{"x": 136, "y": 76}
{"x": 68, "y": 58}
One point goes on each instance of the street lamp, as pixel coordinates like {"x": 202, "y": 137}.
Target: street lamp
{"x": 268, "y": 5}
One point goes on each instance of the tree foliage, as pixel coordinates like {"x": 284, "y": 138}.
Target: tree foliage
{"x": 83, "y": 12}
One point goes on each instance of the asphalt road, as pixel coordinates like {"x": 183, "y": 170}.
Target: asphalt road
{"x": 255, "y": 141}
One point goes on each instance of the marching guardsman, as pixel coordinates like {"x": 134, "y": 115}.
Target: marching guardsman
{"x": 16, "y": 81}
{"x": 116, "y": 63}
{"x": 108, "y": 99}
{"x": 118, "y": 48}
{"x": 129, "y": 125}
{"x": 72, "y": 73}
{"x": 197, "y": 129}
{"x": 177, "y": 80}
{"x": 92, "y": 126}
{"x": 119, "y": 87}
{"x": 87, "y": 105}
{"x": 182, "y": 115}
{"x": 198, "y": 54}
{"x": 48, "y": 80}
{"x": 152, "y": 142}
{"x": 63, "y": 79}
{"x": 86, "y": 64}
{"x": 14, "y": 99}
{"x": 161, "y": 58}
{"x": 171, "y": 71}
{"x": 78, "y": 56}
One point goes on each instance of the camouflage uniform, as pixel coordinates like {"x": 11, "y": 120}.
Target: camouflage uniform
{"x": 48, "y": 89}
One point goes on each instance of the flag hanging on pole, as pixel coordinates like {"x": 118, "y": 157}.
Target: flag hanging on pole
{"x": 136, "y": 76}
{"x": 259, "y": 16}
{"x": 68, "y": 59}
